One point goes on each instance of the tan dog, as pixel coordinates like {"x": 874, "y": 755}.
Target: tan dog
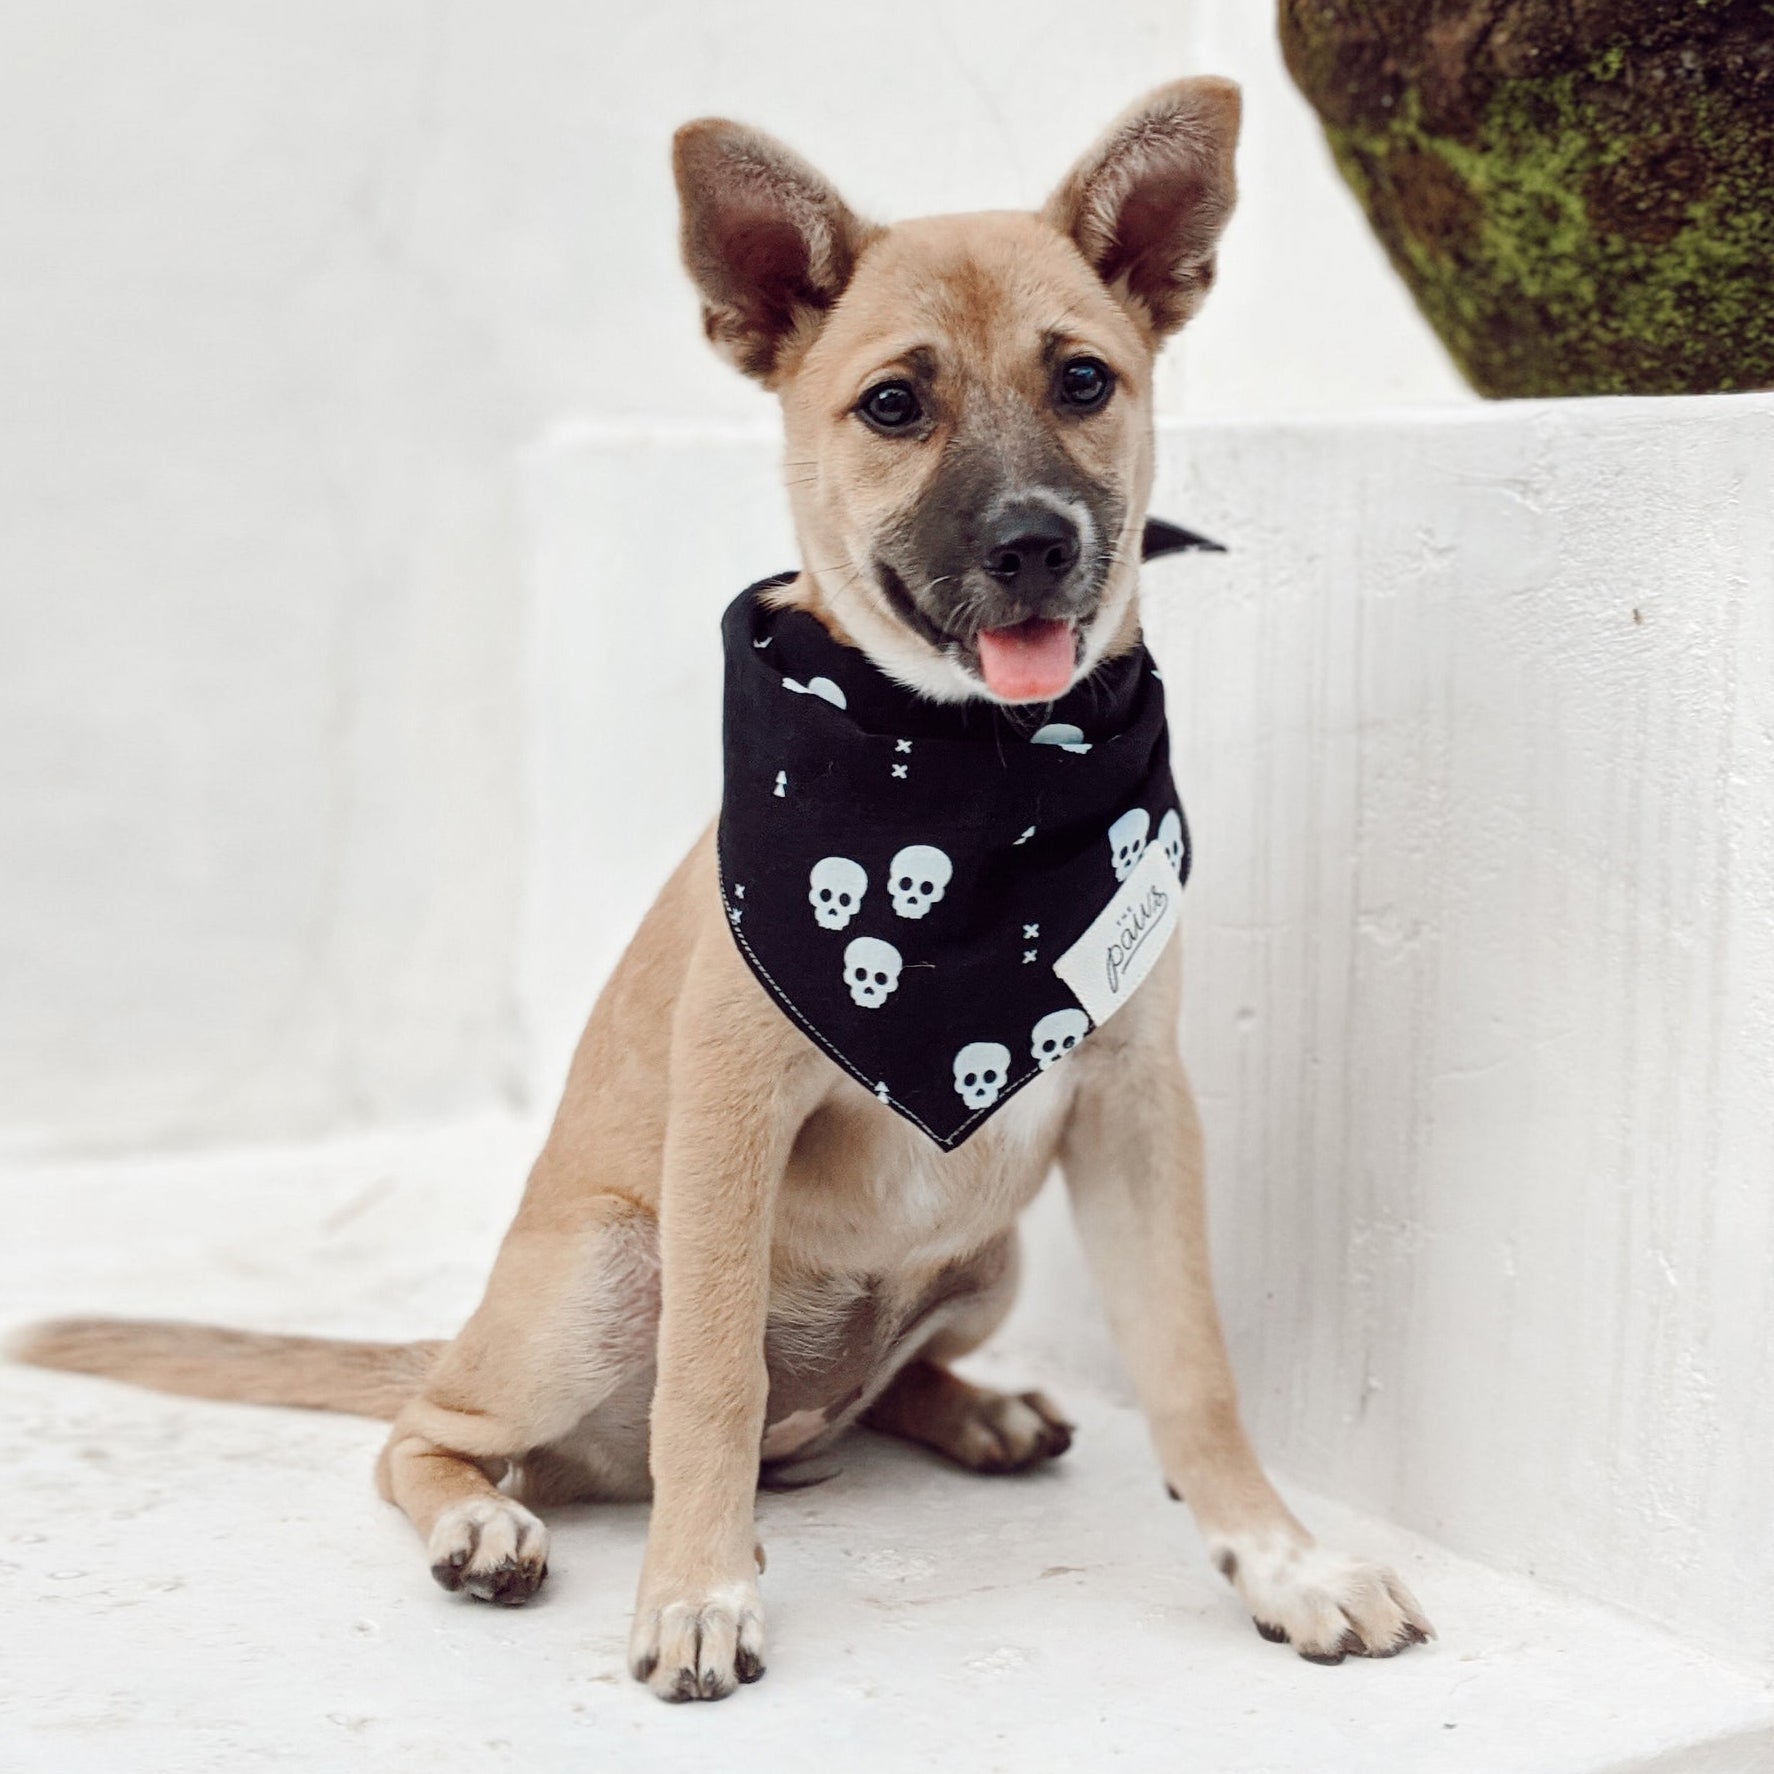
{"x": 728, "y": 1250}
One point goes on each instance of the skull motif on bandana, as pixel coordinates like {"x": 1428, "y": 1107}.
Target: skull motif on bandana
{"x": 982, "y": 1069}
{"x": 1127, "y": 840}
{"x": 835, "y": 891}
{"x": 916, "y": 879}
{"x": 871, "y": 971}
{"x": 1055, "y": 1035}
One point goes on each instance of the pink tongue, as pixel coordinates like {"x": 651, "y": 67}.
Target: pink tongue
{"x": 1028, "y": 663}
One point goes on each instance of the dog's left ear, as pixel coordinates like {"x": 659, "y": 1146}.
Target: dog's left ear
{"x": 768, "y": 243}
{"x": 1146, "y": 205}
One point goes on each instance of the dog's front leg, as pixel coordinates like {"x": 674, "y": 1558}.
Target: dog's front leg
{"x": 739, "y": 1090}
{"x": 1133, "y": 1162}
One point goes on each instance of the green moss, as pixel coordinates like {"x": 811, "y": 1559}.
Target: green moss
{"x": 1535, "y": 291}
{"x": 1589, "y": 229}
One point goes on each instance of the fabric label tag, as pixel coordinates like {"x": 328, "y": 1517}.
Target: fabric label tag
{"x": 1105, "y": 966}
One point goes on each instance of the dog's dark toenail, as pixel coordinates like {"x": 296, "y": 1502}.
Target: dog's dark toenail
{"x": 1348, "y": 1645}
{"x": 1378, "y": 1653}
{"x": 1408, "y": 1635}
{"x": 684, "y": 1688}
{"x": 514, "y": 1584}
{"x": 1273, "y": 1634}
{"x": 1227, "y": 1566}
{"x": 1173, "y": 1493}
{"x": 748, "y": 1665}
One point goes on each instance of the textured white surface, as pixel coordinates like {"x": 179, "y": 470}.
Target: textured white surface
{"x": 257, "y": 580}
{"x": 300, "y": 826}
{"x": 1480, "y": 937}
{"x": 1477, "y": 730}
{"x": 287, "y": 292}
{"x": 188, "y": 1587}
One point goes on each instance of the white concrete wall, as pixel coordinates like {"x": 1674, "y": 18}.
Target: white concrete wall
{"x": 1478, "y": 730}
{"x": 287, "y": 293}
{"x": 1475, "y": 725}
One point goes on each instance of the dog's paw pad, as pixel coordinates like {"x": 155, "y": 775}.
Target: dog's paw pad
{"x": 490, "y": 1548}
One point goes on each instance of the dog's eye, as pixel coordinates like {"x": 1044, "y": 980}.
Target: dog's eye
{"x": 891, "y": 406}
{"x": 1085, "y": 383}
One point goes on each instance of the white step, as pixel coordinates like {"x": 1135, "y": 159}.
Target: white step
{"x": 187, "y": 1586}
{"x": 1475, "y": 726}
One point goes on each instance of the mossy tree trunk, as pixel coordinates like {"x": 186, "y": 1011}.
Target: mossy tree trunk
{"x": 1579, "y": 193}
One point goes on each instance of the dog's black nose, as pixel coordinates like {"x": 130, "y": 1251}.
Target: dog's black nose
{"x": 1030, "y": 548}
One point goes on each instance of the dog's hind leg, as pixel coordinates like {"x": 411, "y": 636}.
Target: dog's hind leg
{"x": 570, "y": 1309}
{"x": 975, "y": 1426}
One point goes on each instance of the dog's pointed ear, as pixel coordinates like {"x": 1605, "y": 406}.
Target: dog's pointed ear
{"x": 1146, "y": 205}
{"x": 768, "y": 243}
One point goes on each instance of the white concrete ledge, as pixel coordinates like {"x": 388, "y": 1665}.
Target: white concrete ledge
{"x": 193, "y": 1586}
{"x": 1475, "y": 724}
{"x": 1476, "y": 728}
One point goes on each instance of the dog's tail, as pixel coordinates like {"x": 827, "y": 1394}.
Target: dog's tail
{"x": 205, "y": 1361}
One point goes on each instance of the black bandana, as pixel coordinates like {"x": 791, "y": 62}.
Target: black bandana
{"x": 946, "y": 897}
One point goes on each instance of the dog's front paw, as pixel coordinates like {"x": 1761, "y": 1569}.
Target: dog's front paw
{"x": 492, "y": 1548}
{"x": 1326, "y": 1605}
{"x": 698, "y": 1646}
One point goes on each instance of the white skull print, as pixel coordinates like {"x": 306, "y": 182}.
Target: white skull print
{"x": 823, "y": 688}
{"x": 1127, "y": 840}
{"x": 835, "y": 891}
{"x": 1055, "y": 1035}
{"x": 982, "y": 1069}
{"x": 871, "y": 971}
{"x": 1063, "y": 734}
{"x": 1170, "y": 839}
{"x": 916, "y": 879}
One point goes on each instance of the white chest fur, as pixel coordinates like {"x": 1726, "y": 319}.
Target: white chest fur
{"x": 866, "y": 1188}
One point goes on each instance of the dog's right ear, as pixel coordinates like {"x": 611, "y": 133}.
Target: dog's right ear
{"x": 768, "y": 243}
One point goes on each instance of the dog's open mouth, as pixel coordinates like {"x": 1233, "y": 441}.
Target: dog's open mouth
{"x": 1030, "y": 662}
